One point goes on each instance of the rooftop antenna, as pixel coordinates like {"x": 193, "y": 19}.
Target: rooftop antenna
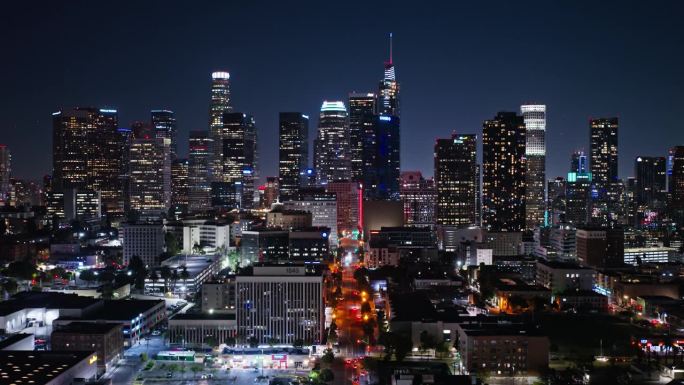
{"x": 390, "y": 43}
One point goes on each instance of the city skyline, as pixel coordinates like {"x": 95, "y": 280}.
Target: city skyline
{"x": 459, "y": 101}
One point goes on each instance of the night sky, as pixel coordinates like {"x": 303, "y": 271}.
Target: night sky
{"x": 457, "y": 64}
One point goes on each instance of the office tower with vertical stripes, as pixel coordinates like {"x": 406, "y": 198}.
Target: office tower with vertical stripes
{"x": 331, "y": 148}
{"x": 219, "y": 104}
{"x": 293, "y": 151}
{"x": 456, "y": 180}
{"x": 534, "y": 116}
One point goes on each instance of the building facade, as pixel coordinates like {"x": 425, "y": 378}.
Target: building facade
{"x": 220, "y": 103}
{"x": 293, "y": 152}
{"x": 456, "y": 180}
{"x": 332, "y": 159}
{"x": 240, "y": 156}
{"x": 199, "y": 171}
{"x": 419, "y": 196}
{"x": 534, "y": 116}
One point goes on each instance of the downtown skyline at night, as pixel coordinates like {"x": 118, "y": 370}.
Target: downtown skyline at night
{"x": 350, "y": 193}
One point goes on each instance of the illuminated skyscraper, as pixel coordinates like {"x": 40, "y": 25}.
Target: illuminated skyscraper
{"x": 650, "y": 181}
{"x": 388, "y": 94}
{"x": 381, "y": 180}
{"x": 164, "y": 123}
{"x": 534, "y": 116}
{"x": 362, "y": 112}
{"x": 293, "y": 152}
{"x": 150, "y": 175}
{"x": 5, "y": 173}
{"x": 88, "y": 154}
{"x": 240, "y": 156}
{"x": 456, "y": 180}
{"x": 419, "y": 196}
{"x": 503, "y": 172}
{"x": 677, "y": 185}
{"x": 180, "y": 187}
{"x": 199, "y": 171}
{"x": 219, "y": 104}
{"x": 604, "y": 169}
{"x": 331, "y": 148}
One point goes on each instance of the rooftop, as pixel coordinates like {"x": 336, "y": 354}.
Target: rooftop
{"x": 14, "y": 338}
{"x": 204, "y": 316}
{"x": 23, "y": 367}
{"x": 88, "y": 327}
{"x": 50, "y": 300}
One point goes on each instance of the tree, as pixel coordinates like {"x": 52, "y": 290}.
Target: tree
{"x": 328, "y": 357}
{"x": 22, "y": 270}
{"x": 298, "y": 343}
{"x": 231, "y": 341}
{"x": 365, "y": 308}
{"x": 196, "y": 369}
{"x": 154, "y": 277}
{"x": 210, "y": 341}
{"x": 326, "y": 375}
{"x": 88, "y": 276}
{"x": 253, "y": 342}
{"x": 10, "y": 286}
{"x": 196, "y": 248}
{"x": 403, "y": 346}
{"x": 184, "y": 275}
{"x": 272, "y": 341}
{"x": 138, "y": 270}
{"x": 442, "y": 349}
{"x": 171, "y": 243}
{"x": 174, "y": 277}
{"x": 427, "y": 341}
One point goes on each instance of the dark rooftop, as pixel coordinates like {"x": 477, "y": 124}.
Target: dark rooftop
{"x": 501, "y": 330}
{"x": 42, "y": 367}
{"x": 50, "y": 300}
{"x": 204, "y": 316}
{"x": 88, "y": 327}
{"x": 14, "y": 338}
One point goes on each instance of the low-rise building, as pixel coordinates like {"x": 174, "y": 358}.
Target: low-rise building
{"x": 639, "y": 255}
{"x": 560, "y": 277}
{"x": 202, "y": 330}
{"x": 145, "y": 240}
{"x": 47, "y": 367}
{"x": 219, "y": 296}
{"x": 106, "y": 339}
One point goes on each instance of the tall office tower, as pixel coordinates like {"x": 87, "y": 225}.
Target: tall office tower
{"x": 331, "y": 149}
{"x": 180, "y": 185}
{"x": 635, "y": 214}
{"x": 87, "y": 154}
{"x": 388, "y": 94}
{"x": 348, "y": 197}
{"x": 5, "y": 173}
{"x": 382, "y": 179}
{"x": 578, "y": 198}
{"x": 677, "y": 185}
{"x": 199, "y": 171}
{"x": 164, "y": 123}
{"x": 556, "y": 200}
{"x": 579, "y": 162}
{"x": 651, "y": 180}
{"x": 240, "y": 156}
{"x": 456, "y": 180}
{"x": 604, "y": 170}
{"x": 534, "y": 116}
{"x": 362, "y": 112}
{"x": 419, "y": 196}
{"x": 293, "y": 152}
{"x": 150, "y": 175}
{"x": 503, "y": 173}
{"x": 126, "y": 137}
{"x": 219, "y": 104}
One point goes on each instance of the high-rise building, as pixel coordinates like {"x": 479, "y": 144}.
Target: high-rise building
{"x": 180, "y": 185}
{"x": 269, "y": 194}
{"x": 677, "y": 185}
{"x": 321, "y": 205}
{"x": 281, "y": 303}
{"x": 419, "y": 196}
{"x": 240, "y": 156}
{"x": 219, "y": 104}
{"x": 150, "y": 175}
{"x": 604, "y": 170}
{"x": 388, "y": 95}
{"x": 578, "y": 198}
{"x": 362, "y": 119}
{"x": 556, "y": 200}
{"x": 651, "y": 180}
{"x": 164, "y": 123}
{"x": 88, "y": 154}
{"x": 534, "y": 116}
{"x": 348, "y": 197}
{"x": 331, "y": 148}
{"x": 382, "y": 179}
{"x": 503, "y": 173}
{"x": 293, "y": 152}
{"x": 456, "y": 180}
{"x": 5, "y": 173}
{"x": 199, "y": 171}
{"x": 579, "y": 162}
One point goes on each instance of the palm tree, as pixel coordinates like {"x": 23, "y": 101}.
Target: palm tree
{"x": 174, "y": 278}
{"x": 154, "y": 277}
{"x": 165, "y": 274}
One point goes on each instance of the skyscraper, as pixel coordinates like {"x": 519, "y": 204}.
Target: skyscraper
{"x": 534, "y": 116}
{"x": 419, "y": 196}
{"x": 150, "y": 175}
{"x": 180, "y": 185}
{"x": 362, "y": 112}
{"x": 164, "y": 123}
{"x": 5, "y": 173}
{"x": 677, "y": 185}
{"x": 650, "y": 181}
{"x": 88, "y": 154}
{"x": 382, "y": 174}
{"x": 240, "y": 156}
{"x": 331, "y": 148}
{"x": 388, "y": 94}
{"x": 347, "y": 195}
{"x": 199, "y": 171}
{"x": 219, "y": 104}
{"x": 455, "y": 179}
{"x": 579, "y": 162}
{"x": 503, "y": 173}
{"x": 604, "y": 170}
{"x": 293, "y": 152}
